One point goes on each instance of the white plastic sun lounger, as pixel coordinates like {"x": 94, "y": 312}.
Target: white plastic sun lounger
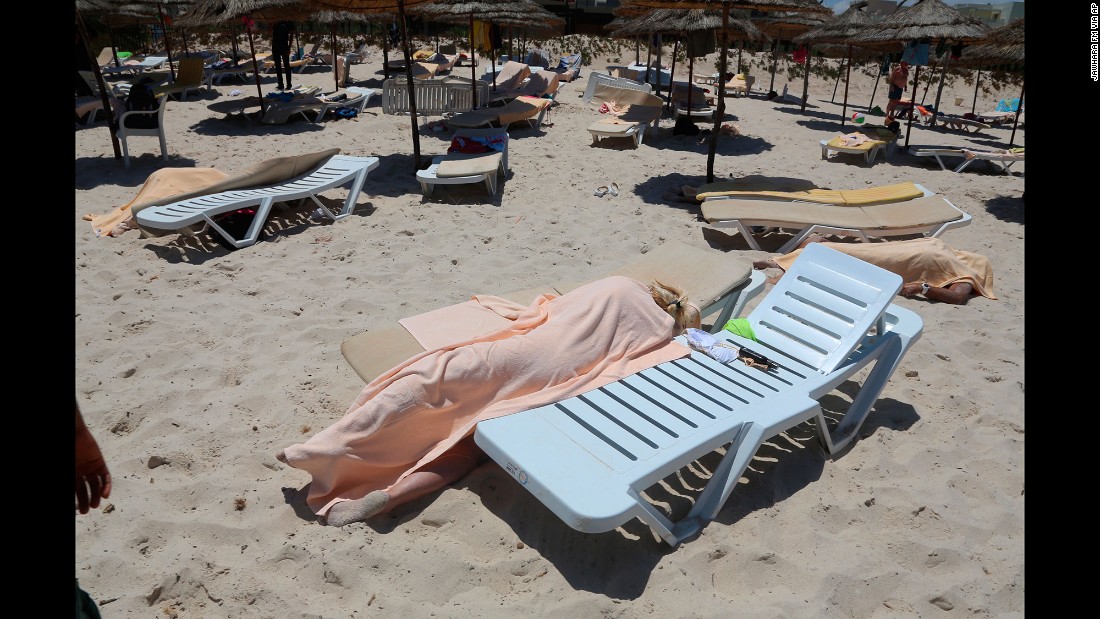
{"x": 479, "y": 168}
{"x": 930, "y": 216}
{"x": 1000, "y": 159}
{"x": 337, "y": 171}
{"x": 591, "y": 457}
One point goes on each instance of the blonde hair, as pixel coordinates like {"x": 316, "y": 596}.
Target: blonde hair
{"x": 675, "y": 301}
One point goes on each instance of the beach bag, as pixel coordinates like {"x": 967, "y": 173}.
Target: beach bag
{"x": 347, "y": 112}
{"x": 236, "y": 223}
{"x": 141, "y": 99}
{"x": 684, "y": 126}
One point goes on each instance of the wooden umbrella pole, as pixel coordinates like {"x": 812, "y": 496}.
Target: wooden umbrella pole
{"x": 977, "y": 80}
{"x": 657, "y": 88}
{"x": 167, "y": 47}
{"x": 847, "y": 79}
{"x": 1016, "y": 119}
{"x": 386, "y": 53}
{"x": 875, "y": 89}
{"x": 99, "y": 80}
{"x": 114, "y": 48}
{"x": 832, "y": 99}
{"x": 473, "y": 62}
{"x": 256, "y": 66}
{"x": 672, "y": 73}
{"x": 939, "y": 91}
{"x": 806, "y": 80}
{"x": 691, "y": 77}
{"x": 775, "y": 63}
{"x": 912, "y": 106}
{"x": 409, "y": 82}
{"x": 720, "y": 113}
{"x": 335, "y": 65}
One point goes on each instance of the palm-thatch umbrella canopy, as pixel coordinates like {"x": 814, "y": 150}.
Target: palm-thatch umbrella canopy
{"x": 838, "y": 31}
{"x": 783, "y": 26}
{"x": 525, "y": 12}
{"x": 387, "y": 6}
{"x": 795, "y": 6}
{"x": 1002, "y": 45}
{"x": 927, "y": 19}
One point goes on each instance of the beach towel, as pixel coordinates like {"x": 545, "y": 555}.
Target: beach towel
{"x": 555, "y": 348}
{"x": 918, "y": 260}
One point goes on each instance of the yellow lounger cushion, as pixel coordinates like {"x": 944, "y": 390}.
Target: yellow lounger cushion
{"x": 839, "y": 197}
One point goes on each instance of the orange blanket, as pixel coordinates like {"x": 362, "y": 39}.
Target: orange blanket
{"x": 556, "y": 348}
{"x": 918, "y": 260}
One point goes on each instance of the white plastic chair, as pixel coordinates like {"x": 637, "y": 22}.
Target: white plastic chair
{"x": 124, "y": 133}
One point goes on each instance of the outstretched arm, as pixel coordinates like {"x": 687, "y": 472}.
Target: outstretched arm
{"x": 956, "y": 294}
{"x": 93, "y": 480}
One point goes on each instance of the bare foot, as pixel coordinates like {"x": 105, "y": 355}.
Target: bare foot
{"x": 760, "y": 265}
{"x": 347, "y": 512}
{"x": 281, "y": 456}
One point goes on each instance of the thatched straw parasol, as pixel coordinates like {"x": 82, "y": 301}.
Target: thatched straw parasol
{"x": 927, "y": 19}
{"x": 795, "y": 6}
{"x": 783, "y": 26}
{"x": 838, "y": 30}
{"x": 1002, "y": 45}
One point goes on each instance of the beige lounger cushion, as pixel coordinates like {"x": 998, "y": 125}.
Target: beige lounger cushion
{"x": 705, "y": 275}
{"x": 373, "y": 352}
{"x": 927, "y": 211}
{"x": 608, "y": 125}
{"x": 468, "y": 165}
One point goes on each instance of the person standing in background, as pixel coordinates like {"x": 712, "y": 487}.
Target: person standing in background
{"x": 281, "y": 34}
{"x": 899, "y": 81}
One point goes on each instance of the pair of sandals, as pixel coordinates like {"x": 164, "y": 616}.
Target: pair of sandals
{"x": 603, "y": 190}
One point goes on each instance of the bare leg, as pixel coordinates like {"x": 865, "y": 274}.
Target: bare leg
{"x": 445, "y": 470}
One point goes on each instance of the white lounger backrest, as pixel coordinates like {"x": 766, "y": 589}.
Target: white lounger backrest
{"x": 620, "y": 82}
{"x": 822, "y": 307}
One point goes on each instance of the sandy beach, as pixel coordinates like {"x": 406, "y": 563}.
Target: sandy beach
{"x": 195, "y": 365}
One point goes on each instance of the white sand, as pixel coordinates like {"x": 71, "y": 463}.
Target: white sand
{"x": 196, "y": 365}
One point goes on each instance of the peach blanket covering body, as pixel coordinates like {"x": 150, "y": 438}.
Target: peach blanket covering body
{"x": 556, "y": 348}
{"x": 918, "y": 260}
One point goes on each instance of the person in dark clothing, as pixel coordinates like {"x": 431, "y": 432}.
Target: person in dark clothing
{"x": 281, "y": 34}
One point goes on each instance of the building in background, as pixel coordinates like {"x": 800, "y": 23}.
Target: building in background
{"x": 994, "y": 15}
